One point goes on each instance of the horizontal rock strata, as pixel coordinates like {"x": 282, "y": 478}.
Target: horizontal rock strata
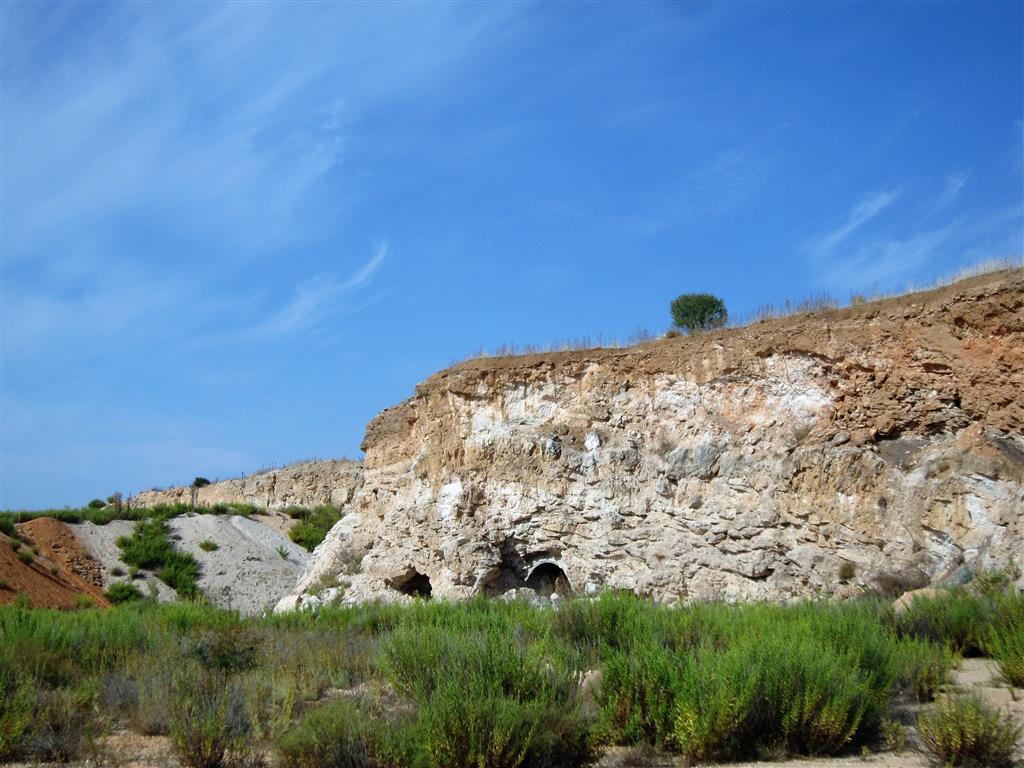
{"x": 304, "y": 484}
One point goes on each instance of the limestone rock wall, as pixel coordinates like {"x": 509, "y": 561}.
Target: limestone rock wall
{"x": 812, "y": 455}
{"x": 305, "y": 484}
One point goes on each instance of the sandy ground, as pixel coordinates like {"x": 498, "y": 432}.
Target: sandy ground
{"x": 253, "y": 566}
{"x": 981, "y": 676}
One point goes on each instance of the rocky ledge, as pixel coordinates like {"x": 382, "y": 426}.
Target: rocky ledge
{"x": 873, "y": 447}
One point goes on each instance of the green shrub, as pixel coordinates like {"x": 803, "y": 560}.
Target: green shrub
{"x": 96, "y": 504}
{"x": 467, "y": 729}
{"x": 153, "y": 676}
{"x": 922, "y": 668}
{"x": 698, "y": 312}
{"x": 208, "y": 546}
{"x": 149, "y": 546}
{"x": 63, "y": 725}
{"x": 181, "y": 573}
{"x": 894, "y": 735}
{"x": 995, "y": 582}
{"x": 209, "y": 723}
{"x": 963, "y": 731}
{"x": 122, "y": 592}
{"x": 965, "y": 621}
{"x": 1005, "y": 639}
{"x": 334, "y": 735}
{"x": 200, "y": 482}
{"x": 806, "y": 680}
{"x": 26, "y": 556}
{"x": 312, "y": 528}
{"x": 228, "y": 648}
{"x": 17, "y": 698}
{"x": 487, "y": 696}
{"x": 6, "y": 525}
{"x": 639, "y": 690}
{"x": 790, "y": 692}
{"x": 956, "y": 618}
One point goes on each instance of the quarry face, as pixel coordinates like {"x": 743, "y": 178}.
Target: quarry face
{"x": 876, "y": 447}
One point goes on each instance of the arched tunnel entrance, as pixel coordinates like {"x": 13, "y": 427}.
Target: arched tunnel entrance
{"x": 536, "y": 571}
{"x": 547, "y": 579}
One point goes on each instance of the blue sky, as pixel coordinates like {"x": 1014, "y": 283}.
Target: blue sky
{"x": 233, "y": 233}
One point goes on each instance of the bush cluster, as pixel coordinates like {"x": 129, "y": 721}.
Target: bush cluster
{"x": 312, "y": 525}
{"x": 149, "y": 546}
{"x": 964, "y": 731}
{"x": 122, "y": 592}
{"x": 487, "y": 684}
{"x": 698, "y": 312}
{"x": 972, "y": 622}
{"x": 733, "y": 684}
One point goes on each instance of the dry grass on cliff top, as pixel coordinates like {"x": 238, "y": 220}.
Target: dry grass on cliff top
{"x": 815, "y": 304}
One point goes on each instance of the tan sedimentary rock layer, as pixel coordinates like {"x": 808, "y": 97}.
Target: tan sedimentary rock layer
{"x": 305, "y": 484}
{"x": 816, "y": 454}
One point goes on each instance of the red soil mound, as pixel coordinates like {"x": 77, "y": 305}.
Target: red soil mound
{"x": 60, "y": 573}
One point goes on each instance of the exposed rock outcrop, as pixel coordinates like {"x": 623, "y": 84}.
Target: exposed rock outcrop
{"x": 817, "y": 454}
{"x": 304, "y": 484}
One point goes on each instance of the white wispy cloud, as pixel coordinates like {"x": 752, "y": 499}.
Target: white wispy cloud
{"x": 870, "y": 250}
{"x": 314, "y": 301}
{"x": 227, "y": 119}
{"x": 824, "y": 244}
{"x": 882, "y": 260}
{"x": 951, "y": 188}
{"x": 192, "y": 156}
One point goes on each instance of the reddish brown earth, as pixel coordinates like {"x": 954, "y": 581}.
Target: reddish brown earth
{"x": 60, "y": 574}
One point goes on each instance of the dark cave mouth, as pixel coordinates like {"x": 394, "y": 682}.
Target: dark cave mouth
{"x": 547, "y": 579}
{"x": 415, "y": 584}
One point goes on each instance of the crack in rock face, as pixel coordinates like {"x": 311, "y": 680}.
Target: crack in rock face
{"x": 870, "y": 448}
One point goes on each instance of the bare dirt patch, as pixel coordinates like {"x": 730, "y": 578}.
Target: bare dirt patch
{"x": 45, "y": 582}
{"x": 57, "y": 542}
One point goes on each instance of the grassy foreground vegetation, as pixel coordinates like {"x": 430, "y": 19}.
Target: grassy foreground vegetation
{"x": 483, "y": 684}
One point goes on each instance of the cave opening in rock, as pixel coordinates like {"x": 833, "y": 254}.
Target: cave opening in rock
{"x": 547, "y": 579}
{"x": 415, "y": 585}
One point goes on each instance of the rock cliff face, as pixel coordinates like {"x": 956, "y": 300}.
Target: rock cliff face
{"x": 875, "y": 446}
{"x": 305, "y": 484}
